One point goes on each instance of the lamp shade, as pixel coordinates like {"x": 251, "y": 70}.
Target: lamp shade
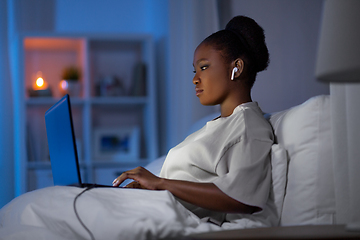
{"x": 338, "y": 58}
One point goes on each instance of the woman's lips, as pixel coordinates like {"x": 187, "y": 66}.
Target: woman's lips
{"x": 198, "y": 91}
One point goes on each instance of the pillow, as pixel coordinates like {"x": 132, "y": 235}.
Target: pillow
{"x": 278, "y": 174}
{"x": 304, "y": 132}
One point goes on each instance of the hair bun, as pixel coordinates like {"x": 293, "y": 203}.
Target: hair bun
{"x": 254, "y": 36}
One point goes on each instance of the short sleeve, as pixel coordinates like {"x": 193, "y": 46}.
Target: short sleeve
{"x": 245, "y": 171}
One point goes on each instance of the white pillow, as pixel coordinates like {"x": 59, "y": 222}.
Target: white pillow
{"x": 279, "y": 174}
{"x": 304, "y": 132}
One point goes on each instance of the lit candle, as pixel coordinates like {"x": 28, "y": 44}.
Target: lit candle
{"x": 40, "y": 83}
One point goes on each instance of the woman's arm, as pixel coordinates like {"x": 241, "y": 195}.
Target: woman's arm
{"x": 205, "y": 195}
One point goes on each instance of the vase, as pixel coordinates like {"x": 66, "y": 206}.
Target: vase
{"x": 71, "y": 87}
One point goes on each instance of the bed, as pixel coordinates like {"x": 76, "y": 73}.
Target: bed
{"x": 301, "y": 187}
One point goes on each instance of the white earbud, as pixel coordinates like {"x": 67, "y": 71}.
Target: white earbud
{"x": 235, "y": 69}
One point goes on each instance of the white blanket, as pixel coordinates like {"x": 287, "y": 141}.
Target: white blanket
{"x": 109, "y": 213}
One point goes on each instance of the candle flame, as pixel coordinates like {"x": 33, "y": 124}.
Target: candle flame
{"x": 40, "y": 82}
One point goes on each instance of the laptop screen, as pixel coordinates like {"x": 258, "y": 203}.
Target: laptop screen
{"x": 61, "y": 141}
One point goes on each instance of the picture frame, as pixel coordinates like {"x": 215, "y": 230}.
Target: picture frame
{"x": 117, "y": 144}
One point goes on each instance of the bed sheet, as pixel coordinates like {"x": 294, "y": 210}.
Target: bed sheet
{"x": 109, "y": 213}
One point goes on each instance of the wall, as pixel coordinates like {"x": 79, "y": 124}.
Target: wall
{"x": 140, "y": 16}
{"x": 105, "y": 16}
{"x": 292, "y": 29}
{"x": 88, "y": 16}
{"x": 187, "y": 29}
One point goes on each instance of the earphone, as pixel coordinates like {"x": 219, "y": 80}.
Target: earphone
{"x": 235, "y": 69}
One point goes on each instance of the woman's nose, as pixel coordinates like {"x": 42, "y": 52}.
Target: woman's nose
{"x": 196, "y": 80}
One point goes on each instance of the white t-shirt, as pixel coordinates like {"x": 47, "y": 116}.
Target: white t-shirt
{"x": 232, "y": 152}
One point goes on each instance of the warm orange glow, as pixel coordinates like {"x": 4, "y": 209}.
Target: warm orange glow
{"x": 40, "y": 82}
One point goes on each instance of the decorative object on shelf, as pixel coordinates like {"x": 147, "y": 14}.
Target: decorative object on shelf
{"x": 110, "y": 86}
{"x": 117, "y": 144}
{"x": 70, "y": 83}
{"x": 138, "y": 87}
{"x": 40, "y": 87}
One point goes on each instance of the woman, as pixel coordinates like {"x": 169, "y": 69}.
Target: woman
{"x": 223, "y": 168}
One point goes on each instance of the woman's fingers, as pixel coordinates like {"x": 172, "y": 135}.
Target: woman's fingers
{"x": 134, "y": 174}
{"x": 142, "y": 176}
{"x": 120, "y": 179}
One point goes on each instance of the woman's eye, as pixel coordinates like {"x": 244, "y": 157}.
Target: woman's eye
{"x": 204, "y": 67}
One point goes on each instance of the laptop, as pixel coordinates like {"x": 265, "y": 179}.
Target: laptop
{"x": 62, "y": 145}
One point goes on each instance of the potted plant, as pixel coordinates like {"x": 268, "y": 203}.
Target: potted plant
{"x": 71, "y": 73}
{"x": 70, "y": 81}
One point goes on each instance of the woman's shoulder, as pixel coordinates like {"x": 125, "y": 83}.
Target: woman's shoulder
{"x": 255, "y": 122}
{"x": 246, "y": 120}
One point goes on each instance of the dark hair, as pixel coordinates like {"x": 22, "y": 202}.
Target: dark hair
{"x": 242, "y": 38}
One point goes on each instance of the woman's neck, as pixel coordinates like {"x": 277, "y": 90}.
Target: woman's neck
{"x": 235, "y": 99}
{"x": 228, "y": 109}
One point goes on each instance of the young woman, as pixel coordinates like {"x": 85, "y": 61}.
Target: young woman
{"x": 223, "y": 168}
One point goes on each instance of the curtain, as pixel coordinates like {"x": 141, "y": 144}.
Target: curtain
{"x": 338, "y": 63}
{"x": 345, "y": 102}
{"x": 189, "y": 23}
{"x": 6, "y": 113}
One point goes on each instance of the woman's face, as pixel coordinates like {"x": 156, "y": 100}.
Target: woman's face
{"x": 212, "y": 75}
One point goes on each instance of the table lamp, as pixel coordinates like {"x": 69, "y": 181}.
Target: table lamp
{"x": 339, "y": 46}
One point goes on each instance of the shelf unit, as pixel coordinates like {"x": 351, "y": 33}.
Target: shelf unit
{"x": 100, "y": 58}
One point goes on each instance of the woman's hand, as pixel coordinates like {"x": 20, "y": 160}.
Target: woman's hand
{"x": 134, "y": 184}
{"x": 205, "y": 195}
{"x": 142, "y": 179}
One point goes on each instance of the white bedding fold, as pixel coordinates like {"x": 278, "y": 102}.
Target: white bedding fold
{"x": 109, "y": 213}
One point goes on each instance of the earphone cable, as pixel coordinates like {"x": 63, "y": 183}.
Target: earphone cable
{"x": 77, "y": 215}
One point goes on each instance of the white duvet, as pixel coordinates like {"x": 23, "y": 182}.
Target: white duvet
{"x": 111, "y": 213}
{"x": 108, "y": 213}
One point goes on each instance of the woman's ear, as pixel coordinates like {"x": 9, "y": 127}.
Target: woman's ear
{"x": 239, "y": 64}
